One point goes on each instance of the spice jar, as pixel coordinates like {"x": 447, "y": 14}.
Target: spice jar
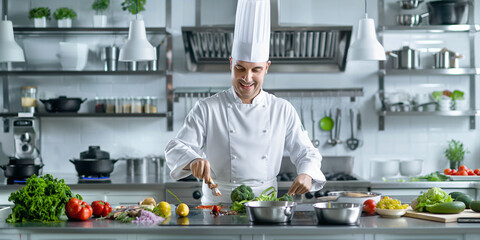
{"x": 127, "y": 105}
{"x": 137, "y": 105}
{"x": 151, "y": 105}
{"x": 110, "y": 105}
{"x": 29, "y": 98}
{"x": 118, "y": 105}
{"x": 100, "y": 105}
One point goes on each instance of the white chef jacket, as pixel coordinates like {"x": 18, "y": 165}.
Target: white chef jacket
{"x": 244, "y": 143}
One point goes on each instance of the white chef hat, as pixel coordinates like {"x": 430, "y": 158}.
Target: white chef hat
{"x": 251, "y": 41}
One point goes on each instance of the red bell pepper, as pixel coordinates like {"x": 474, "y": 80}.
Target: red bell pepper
{"x": 78, "y": 210}
{"x": 101, "y": 208}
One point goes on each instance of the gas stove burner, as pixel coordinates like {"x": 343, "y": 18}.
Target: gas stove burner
{"x": 94, "y": 179}
{"x": 340, "y": 177}
{"x": 16, "y": 181}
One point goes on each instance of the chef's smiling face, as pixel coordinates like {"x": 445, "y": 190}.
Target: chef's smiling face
{"x": 247, "y": 78}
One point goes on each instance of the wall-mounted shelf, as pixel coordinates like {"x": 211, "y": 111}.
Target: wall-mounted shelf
{"x": 420, "y": 72}
{"x": 80, "y": 31}
{"x": 87, "y": 72}
{"x": 95, "y": 115}
{"x": 325, "y": 92}
{"x": 432, "y": 28}
{"x": 435, "y": 113}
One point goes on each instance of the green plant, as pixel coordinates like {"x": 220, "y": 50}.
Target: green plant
{"x": 40, "y": 12}
{"x": 455, "y": 151}
{"x": 133, "y": 6}
{"x": 100, "y": 5}
{"x": 64, "y": 13}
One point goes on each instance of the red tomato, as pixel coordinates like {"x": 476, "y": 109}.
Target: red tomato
{"x": 453, "y": 172}
{"x": 463, "y": 167}
{"x": 447, "y": 171}
{"x": 369, "y": 206}
{"x": 462, "y": 173}
{"x": 101, "y": 208}
{"x": 470, "y": 172}
{"x": 477, "y": 171}
{"x": 78, "y": 210}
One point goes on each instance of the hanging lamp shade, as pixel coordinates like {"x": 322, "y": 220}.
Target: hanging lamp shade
{"x": 137, "y": 47}
{"x": 366, "y": 46}
{"x": 10, "y": 51}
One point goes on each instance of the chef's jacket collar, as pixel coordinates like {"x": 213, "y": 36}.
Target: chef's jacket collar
{"x": 259, "y": 99}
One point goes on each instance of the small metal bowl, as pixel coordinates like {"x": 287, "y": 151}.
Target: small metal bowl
{"x": 270, "y": 211}
{"x": 338, "y": 213}
{"x": 409, "y": 19}
{"x": 409, "y": 4}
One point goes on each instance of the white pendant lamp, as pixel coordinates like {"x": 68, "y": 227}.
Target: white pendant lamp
{"x": 137, "y": 47}
{"x": 366, "y": 46}
{"x": 10, "y": 51}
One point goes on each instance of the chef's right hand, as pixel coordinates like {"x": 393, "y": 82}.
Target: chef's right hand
{"x": 200, "y": 169}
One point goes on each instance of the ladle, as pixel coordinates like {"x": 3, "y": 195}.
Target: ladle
{"x": 315, "y": 142}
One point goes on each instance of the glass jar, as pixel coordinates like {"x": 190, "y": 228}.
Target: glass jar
{"x": 151, "y": 105}
{"x": 144, "y": 104}
{"x": 110, "y": 105}
{"x": 127, "y": 105}
{"x": 137, "y": 105}
{"x": 118, "y": 105}
{"x": 29, "y": 98}
{"x": 100, "y": 104}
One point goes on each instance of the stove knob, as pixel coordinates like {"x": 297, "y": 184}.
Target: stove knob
{"x": 25, "y": 148}
{"x": 197, "y": 194}
{"x": 25, "y": 137}
{"x": 318, "y": 194}
{"x": 309, "y": 195}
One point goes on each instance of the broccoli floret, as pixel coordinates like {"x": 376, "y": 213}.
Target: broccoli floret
{"x": 286, "y": 197}
{"x": 241, "y": 193}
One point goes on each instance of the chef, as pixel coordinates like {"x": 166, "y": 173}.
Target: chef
{"x": 238, "y": 136}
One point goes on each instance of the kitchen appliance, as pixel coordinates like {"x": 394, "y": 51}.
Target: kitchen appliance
{"x": 338, "y": 213}
{"x": 446, "y": 59}
{"x": 94, "y": 164}
{"x": 404, "y": 58}
{"x": 270, "y": 211}
{"x": 448, "y": 12}
{"x": 62, "y": 104}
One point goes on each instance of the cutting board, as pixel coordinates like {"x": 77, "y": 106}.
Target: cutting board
{"x": 445, "y": 218}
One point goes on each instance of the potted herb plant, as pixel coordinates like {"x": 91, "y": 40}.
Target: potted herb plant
{"x": 133, "y": 6}
{"x": 40, "y": 16}
{"x": 64, "y": 17}
{"x": 455, "y": 153}
{"x": 100, "y": 19}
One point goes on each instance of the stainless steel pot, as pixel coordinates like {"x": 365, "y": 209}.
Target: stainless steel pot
{"x": 409, "y": 4}
{"x": 446, "y": 59}
{"x": 411, "y": 19}
{"x": 140, "y": 168}
{"x": 448, "y": 12}
{"x": 405, "y": 58}
{"x": 270, "y": 211}
{"x": 338, "y": 213}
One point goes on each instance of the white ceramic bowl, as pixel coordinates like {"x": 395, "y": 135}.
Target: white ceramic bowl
{"x": 409, "y": 168}
{"x": 391, "y": 213}
{"x": 385, "y": 168}
{"x": 73, "y": 56}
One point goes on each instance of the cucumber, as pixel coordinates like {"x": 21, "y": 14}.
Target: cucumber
{"x": 450, "y": 207}
{"x": 455, "y": 195}
{"x": 475, "y": 205}
{"x": 465, "y": 199}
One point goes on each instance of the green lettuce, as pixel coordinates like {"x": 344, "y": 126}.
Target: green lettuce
{"x": 431, "y": 197}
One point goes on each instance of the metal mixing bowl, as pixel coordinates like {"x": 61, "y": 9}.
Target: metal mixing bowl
{"x": 270, "y": 211}
{"x": 409, "y": 19}
{"x": 338, "y": 213}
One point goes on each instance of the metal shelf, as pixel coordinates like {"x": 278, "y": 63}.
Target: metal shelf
{"x": 88, "y": 72}
{"x": 80, "y": 31}
{"x": 468, "y": 113}
{"x": 95, "y": 115}
{"x": 432, "y": 28}
{"x": 432, "y": 71}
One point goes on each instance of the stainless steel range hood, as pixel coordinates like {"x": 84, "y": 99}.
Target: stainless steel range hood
{"x": 292, "y": 48}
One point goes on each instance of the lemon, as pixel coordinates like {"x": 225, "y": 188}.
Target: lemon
{"x": 164, "y": 209}
{"x": 183, "y": 221}
{"x": 182, "y": 210}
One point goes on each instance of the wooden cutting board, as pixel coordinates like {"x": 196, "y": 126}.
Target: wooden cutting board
{"x": 441, "y": 217}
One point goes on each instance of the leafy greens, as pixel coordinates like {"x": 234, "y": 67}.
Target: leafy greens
{"x": 431, "y": 197}
{"x": 269, "y": 194}
{"x": 42, "y": 199}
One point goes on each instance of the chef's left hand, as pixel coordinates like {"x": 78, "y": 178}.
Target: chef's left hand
{"x": 302, "y": 184}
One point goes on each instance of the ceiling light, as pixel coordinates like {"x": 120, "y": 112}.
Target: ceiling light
{"x": 366, "y": 46}
{"x": 10, "y": 51}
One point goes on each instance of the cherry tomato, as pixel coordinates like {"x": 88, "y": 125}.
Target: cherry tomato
{"x": 470, "y": 172}
{"x": 477, "y": 171}
{"x": 462, "y": 173}
{"x": 463, "y": 167}
{"x": 453, "y": 172}
{"x": 369, "y": 206}
{"x": 447, "y": 171}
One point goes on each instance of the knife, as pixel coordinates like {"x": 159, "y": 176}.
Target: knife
{"x": 213, "y": 186}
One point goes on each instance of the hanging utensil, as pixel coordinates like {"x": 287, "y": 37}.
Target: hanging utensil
{"x": 359, "y": 129}
{"x": 301, "y": 112}
{"x": 315, "y": 142}
{"x": 331, "y": 140}
{"x": 338, "y": 122}
{"x": 352, "y": 142}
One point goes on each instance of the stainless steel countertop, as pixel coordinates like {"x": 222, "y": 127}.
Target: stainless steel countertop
{"x": 446, "y": 184}
{"x": 202, "y": 222}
